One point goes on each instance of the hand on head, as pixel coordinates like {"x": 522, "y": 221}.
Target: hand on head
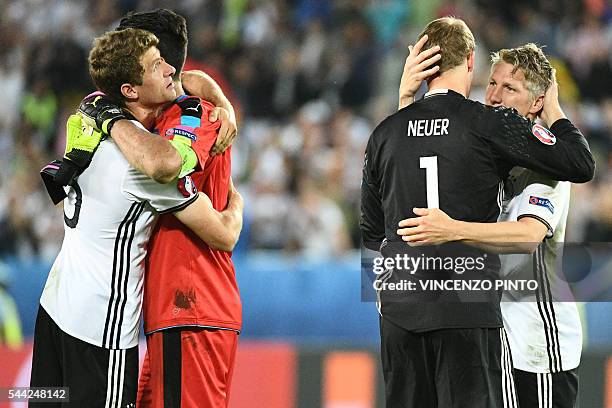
{"x": 417, "y": 68}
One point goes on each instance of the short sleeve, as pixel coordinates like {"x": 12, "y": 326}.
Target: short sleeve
{"x": 190, "y": 120}
{"x": 164, "y": 198}
{"x": 545, "y": 201}
{"x": 206, "y": 137}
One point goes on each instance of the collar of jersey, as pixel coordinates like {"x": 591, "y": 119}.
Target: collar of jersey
{"x": 441, "y": 91}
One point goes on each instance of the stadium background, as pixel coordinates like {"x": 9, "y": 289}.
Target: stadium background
{"x": 310, "y": 80}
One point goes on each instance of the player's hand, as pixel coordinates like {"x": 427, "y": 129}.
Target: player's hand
{"x": 431, "y": 226}
{"x": 80, "y": 137}
{"x": 227, "y": 132}
{"x": 417, "y": 68}
{"x": 551, "y": 109}
{"x": 100, "y": 112}
{"x": 82, "y": 140}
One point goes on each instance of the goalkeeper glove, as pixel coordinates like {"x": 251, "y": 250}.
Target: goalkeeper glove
{"x": 56, "y": 191}
{"x": 100, "y": 112}
{"x": 82, "y": 140}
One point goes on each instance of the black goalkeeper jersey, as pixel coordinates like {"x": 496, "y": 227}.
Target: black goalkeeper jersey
{"x": 449, "y": 152}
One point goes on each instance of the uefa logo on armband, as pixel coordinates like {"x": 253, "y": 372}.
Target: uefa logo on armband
{"x": 544, "y": 135}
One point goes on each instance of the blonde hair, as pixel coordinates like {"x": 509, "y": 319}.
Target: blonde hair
{"x": 455, "y": 39}
{"x": 115, "y": 59}
{"x": 530, "y": 59}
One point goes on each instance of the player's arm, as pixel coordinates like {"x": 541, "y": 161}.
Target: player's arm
{"x": 433, "y": 226}
{"x": 154, "y": 156}
{"x": 416, "y": 69}
{"x": 563, "y": 154}
{"x": 148, "y": 153}
{"x": 200, "y": 84}
{"x": 372, "y": 219}
{"x": 220, "y": 230}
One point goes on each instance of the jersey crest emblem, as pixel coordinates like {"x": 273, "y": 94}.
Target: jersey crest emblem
{"x": 543, "y": 135}
{"x": 187, "y": 187}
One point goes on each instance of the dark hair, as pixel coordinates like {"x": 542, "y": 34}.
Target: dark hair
{"x": 170, "y": 28}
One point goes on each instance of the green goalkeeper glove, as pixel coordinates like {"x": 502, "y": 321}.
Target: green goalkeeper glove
{"x": 100, "y": 112}
{"x": 82, "y": 140}
{"x": 81, "y": 137}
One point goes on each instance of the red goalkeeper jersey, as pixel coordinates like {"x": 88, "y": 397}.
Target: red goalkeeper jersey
{"x": 187, "y": 283}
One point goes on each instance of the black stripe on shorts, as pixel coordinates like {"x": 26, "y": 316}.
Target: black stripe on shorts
{"x": 172, "y": 368}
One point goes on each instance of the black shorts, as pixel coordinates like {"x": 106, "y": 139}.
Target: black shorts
{"x": 96, "y": 376}
{"x": 546, "y": 390}
{"x": 447, "y": 368}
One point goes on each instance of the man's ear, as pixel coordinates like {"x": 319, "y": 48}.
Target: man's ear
{"x": 470, "y": 62}
{"x": 129, "y": 91}
{"x": 537, "y": 105}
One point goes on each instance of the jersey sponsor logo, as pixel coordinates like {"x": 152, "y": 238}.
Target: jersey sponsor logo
{"x": 542, "y": 202}
{"x": 187, "y": 187}
{"x": 428, "y": 127}
{"x": 181, "y": 132}
{"x": 544, "y": 135}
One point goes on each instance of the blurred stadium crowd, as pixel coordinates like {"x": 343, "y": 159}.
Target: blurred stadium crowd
{"x": 310, "y": 79}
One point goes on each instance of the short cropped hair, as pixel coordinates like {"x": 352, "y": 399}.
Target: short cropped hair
{"x": 455, "y": 39}
{"x": 171, "y": 30}
{"x": 115, "y": 60}
{"x": 530, "y": 59}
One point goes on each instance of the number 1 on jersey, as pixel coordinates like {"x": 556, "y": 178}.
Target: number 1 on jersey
{"x": 430, "y": 164}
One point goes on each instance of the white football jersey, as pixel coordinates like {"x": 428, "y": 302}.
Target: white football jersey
{"x": 94, "y": 289}
{"x": 545, "y": 333}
